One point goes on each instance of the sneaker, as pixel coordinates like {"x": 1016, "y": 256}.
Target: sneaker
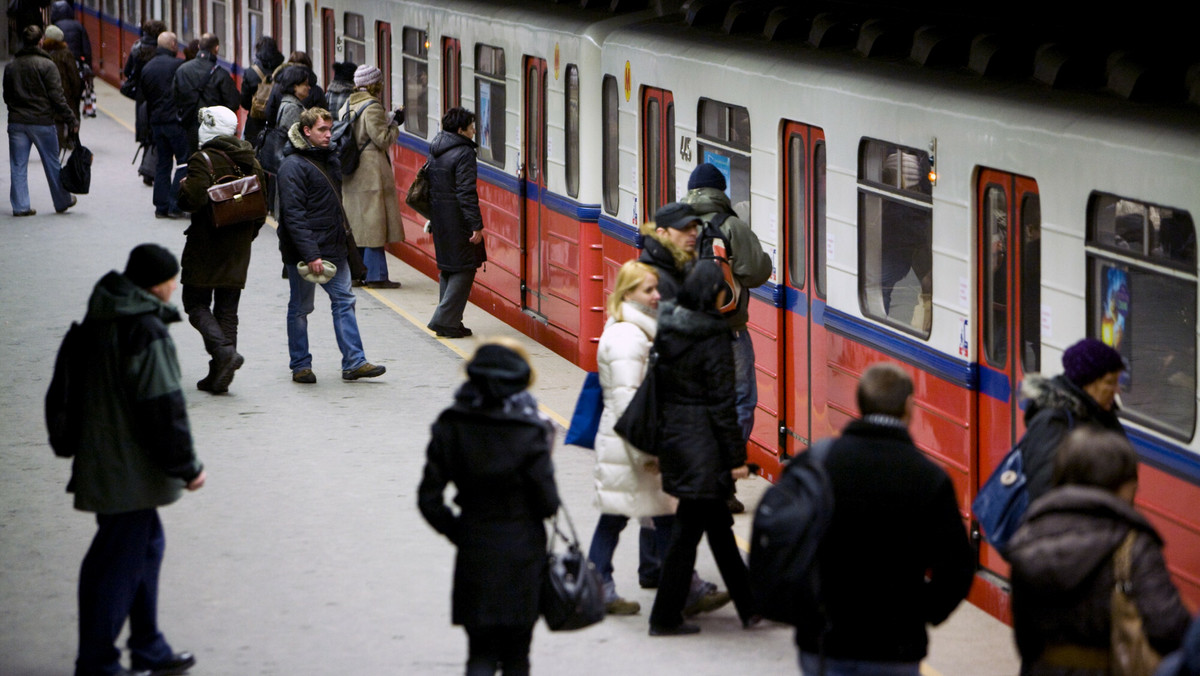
{"x": 707, "y": 603}
{"x": 681, "y": 629}
{"x": 367, "y": 370}
{"x": 305, "y": 376}
{"x": 74, "y": 201}
{"x": 357, "y": 283}
{"x": 382, "y": 284}
{"x": 620, "y": 606}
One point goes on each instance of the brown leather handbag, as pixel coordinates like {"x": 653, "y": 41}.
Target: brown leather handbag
{"x": 234, "y": 198}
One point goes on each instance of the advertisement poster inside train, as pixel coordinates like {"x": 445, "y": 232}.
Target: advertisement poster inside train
{"x": 721, "y": 162}
{"x": 1114, "y": 313}
{"x": 485, "y": 118}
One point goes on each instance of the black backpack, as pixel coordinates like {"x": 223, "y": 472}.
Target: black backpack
{"x": 789, "y": 525}
{"x": 64, "y": 398}
{"x": 342, "y": 138}
{"x": 714, "y": 245}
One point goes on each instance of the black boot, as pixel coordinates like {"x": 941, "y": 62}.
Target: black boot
{"x": 205, "y": 384}
{"x": 227, "y": 362}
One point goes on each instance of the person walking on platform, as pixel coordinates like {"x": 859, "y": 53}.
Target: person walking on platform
{"x": 1064, "y": 562}
{"x": 200, "y": 83}
{"x": 669, "y": 245}
{"x": 215, "y": 260}
{"x": 371, "y": 190}
{"x": 312, "y": 231}
{"x": 139, "y": 55}
{"x": 62, "y": 14}
{"x": 133, "y": 453}
{"x": 68, "y": 73}
{"x": 882, "y": 484}
{"x": 170, "y": 140}
{"x": 341, "y": 88}
{"x": 494, "y": 446}
{"x": 33, "y": 92}
{"x": 457, "y": 222}
{"x": 267, "y": 58}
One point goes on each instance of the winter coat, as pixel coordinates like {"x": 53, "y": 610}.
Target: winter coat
{"x": 370, "y": 192}
{"x": 68, "y": 73}
{"x": 200, "y": 83}
{"x": 1062, "y": 577}
{"x": 658, "y": 254}
{"x": 139, "y": 55}
{"x": 316, "y": 95}
{"x": 33, "y": 90}
{"x": 455, "y": 197}
{"x": 217, "y": 257}
{"x": 699, "y": 438}
{"x": 62, "y": 14}
{"x": 155, "y": 86}
{"x": 289, "y": 112}
{"x": 311, "y": 220}
{"x": 623, "y": 486}
{"x": 750, "y": 264}
{"x": 337, "y": 95}
{"x": 268, "y": 62}
{"x": 497, "y": 455}
{"x": 135, "y": 449}
{"x": 1055, "y": 406}
{"x": 885, "y": 487}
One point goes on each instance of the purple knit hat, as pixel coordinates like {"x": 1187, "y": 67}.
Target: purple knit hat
{"x": 1090, "y": 360}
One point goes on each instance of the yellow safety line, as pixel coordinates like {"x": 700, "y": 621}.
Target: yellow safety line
{"x": 116, "y": 119}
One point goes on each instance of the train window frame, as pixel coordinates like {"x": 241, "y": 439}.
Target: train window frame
{"x": 187, "y": 22}
{"x": 451, "y": 73}
{"x": 1031, "y": 283}
{"x": 723, "y": 140}
{"x": 276, "y": 25}
{"x": 875, "y": 193}
{"x": 354, "y": 38}
{"x": 610, "y": 141}
{"x": 308, "y": 34}
{"x": 820, "y": 249}
{"x": 415, "y": 55}
{"x": 254, "y": 22}
{"x": 490, "y": 86}
{"x": 292, "y": 34}
{"x": 131, "y": 12}
{"x": 218, "y": 27}
{"x": 383, "y": 57}
{"x": 328, "y": 41}
{"x": 1157, "y": 392}
{"x": 995, "y": 276}
{"x": 571, "y": 128}
{"x": 657, "y": 124}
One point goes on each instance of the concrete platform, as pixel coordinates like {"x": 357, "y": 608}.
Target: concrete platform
{"x": 305, "y": 553}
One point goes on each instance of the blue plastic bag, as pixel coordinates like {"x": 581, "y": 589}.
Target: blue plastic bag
{"x": 586, "y": 419}
{"x": 1001, "y": 503}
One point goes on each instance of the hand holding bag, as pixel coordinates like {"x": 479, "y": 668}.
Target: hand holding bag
{"x": 418, "y": 193}
{"x": 572, "y": 595}
{"x": 639, "y": 423}
{"x": 234, "y": 199}
{"x": 1131, "y": 652}
{"x": 585, "y": 422}
{"x": 1001, "y": 503}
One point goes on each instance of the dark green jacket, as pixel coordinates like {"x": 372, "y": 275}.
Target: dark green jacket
{"x": 135, "y": 448}
{"x": 751, "y": 265}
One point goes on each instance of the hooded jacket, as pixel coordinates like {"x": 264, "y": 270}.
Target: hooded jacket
{"x": 1062, "y": 577}
{"x": 311, "y": 220}
{"x": 33, "y": 90}
{"x": 750, "y": 264}
{"x": 671, "y": 263}
{"x": 455, "y": 197}
{"x": 135, "y": 449}
{"x": 63, "y": 16}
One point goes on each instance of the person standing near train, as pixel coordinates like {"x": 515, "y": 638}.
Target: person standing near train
{"x": 370, "y": 192}
{"x": 341, "y": 88}
{"x": 201, "y": 83}
{"x": 669, "y": 245}
{"x": 267, "y": 58}
{"x": 457, "y": 222}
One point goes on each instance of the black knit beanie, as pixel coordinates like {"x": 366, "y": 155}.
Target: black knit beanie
{"x": 498, "y": 371}
{"x": 150, "y": 265}
{"x": 706, "y": 176}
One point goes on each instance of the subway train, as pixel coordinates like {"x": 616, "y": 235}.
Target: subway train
{"x": 918, "y": 207}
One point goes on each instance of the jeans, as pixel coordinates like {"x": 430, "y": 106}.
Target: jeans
{"x": 21, "y": 137}
{"x": 345, "y": 326}
{"x": 810, "y": 665}
{"x": 119, "y": 580}
{"x": 745, "y": 381}
{"x": 170, "y": 145}
{"x": 604, "y": 543}
{"x": 454, "y": 290}
{"x": 375, "y": 258}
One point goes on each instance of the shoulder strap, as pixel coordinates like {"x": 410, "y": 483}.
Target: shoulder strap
{"x": 345, "y": 218}
{"x": 261, "y": 76}
{"x": 236, "y": 167}
{"x": 1123, "y": 561}
{"x": 212, "y": 173}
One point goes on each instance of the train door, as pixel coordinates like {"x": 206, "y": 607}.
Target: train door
{"x": 533, "y": 150}
{"x": 1009, "y": 324}
{"x": 658, "y": 150}
{"x": 801, "y": 342}
{"x": 328, "y": 42}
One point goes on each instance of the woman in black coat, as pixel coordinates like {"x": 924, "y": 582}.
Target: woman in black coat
{"x": 700, "y": 446}
{"x": 494, "y": 446}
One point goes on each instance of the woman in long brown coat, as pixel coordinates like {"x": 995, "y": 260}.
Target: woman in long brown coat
{"x": 370, "y": 192}
{"x": 68, "y": 72}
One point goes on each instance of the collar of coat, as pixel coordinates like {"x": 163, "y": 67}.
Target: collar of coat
{"x": 635, "y": 313}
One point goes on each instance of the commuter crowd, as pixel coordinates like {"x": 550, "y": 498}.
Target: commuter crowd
{"x": 320, "y": 160}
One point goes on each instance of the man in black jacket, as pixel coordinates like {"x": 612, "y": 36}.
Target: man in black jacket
{"x": 312, "y": 231}
{"x": 170, "y": 142}
{"x": 201, "y": 83}
{"x": 896, "y": 556}
{"x": 62, "y": 14}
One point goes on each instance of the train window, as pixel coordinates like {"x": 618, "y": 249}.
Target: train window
{"x": 653, "y": 139}
{"x": 1031, "y": 283}
{"x": 254, "y": 15}
{"x": 572, "y": 131}
{"x": 218, "y": 22}
{"x": 291, "y": 45}
{"x": 491, "y": 103}
{"x": 895, "y": 236}
{"x": 308, "y": 30}
{"x": 451, "y": 74}
{"x": 354, "y": 31}
{"x": 725, "y": 143}
{"x": 416, "y": 82}
{"x": 187, "y": 22}
{"x": 609, "y": 144}
{"x": 995, "y": 284}
{"x": 110, "y": 7}
{"x": 132, "y": 13}
{"x": 658, "y": 149}
{"x": 383, "y": 56}
{"x": 795, "y": 209}
{"x": 1141, "y": 299}
{"x": 819, "y": 235}
{"x": 328, "y": 40}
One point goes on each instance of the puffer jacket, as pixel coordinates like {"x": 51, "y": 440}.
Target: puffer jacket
{"x": 700, "y": 440}
{"x": 1055, "y": 406}
{"x": 671, "y": 264}
{"x": 135, "y": 449}
{"x": 623, "y": 486}
{"x": 1062, "y": 577}
{"x": 750, "y": 264}
{"x": 455, "y": 197}
{"x": 217, "y": 257}
{"x": 33, "y": 90}
{"x": 311, "y": 220}
{"x": 370, "y": 192}
{"x": 62, "y": 14}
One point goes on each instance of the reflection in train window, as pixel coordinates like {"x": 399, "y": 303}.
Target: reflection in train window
{"x": 490, "y": 103}
{"x": 254, "y": 16}
{"x": 355, "y": 38}
{"x": 416, "y": 82}
{"x": 451, "y": 73}
{"x": 725, "y": 133}
{"x": 218, "y": 22}
{"x": 187, "y": 25}
{"x": 110, "y": 8}
{"x": 895, "y": 236}
{"x": 1141, "y": 299}
{"x": 795, "y": 184}
{"x": 610, "y": 145}
{"x": 572, "y": 130}
{"x": 1031, "y": 283}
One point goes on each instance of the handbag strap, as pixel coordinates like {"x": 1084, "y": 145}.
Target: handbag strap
{"x": 556, "y": 532}
{"x": 1123, "y": 562}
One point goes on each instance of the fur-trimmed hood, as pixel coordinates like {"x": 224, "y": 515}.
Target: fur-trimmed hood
{"x": 1041, "y": 392}
{"x": 679, "y": 328}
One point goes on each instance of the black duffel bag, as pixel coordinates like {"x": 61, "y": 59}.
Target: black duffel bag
{"x": 76, "y": 174}
{"x": 572, "y": 595}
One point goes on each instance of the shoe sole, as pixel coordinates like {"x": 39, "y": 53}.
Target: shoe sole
{"x": 224, "y": 376}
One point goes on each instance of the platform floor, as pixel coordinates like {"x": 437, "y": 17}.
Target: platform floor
{"x": 305, "y": 553}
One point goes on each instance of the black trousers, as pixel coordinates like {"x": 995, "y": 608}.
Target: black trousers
{"x": 693, "y": 518}
{"x": 214, "y": 313}
{"x": 502, "y": 648}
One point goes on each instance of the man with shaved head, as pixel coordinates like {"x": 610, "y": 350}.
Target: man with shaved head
{"x": 170, "y": 142}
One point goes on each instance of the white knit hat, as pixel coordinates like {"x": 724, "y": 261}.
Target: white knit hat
{"x": 367, "y": 75}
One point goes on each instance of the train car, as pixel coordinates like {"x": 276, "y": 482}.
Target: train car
{"x": 905, "y": 209}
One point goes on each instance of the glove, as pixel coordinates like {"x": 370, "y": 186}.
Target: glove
{"x": 398, "y": 116}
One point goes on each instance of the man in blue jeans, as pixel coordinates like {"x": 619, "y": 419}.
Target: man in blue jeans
{"x": 33, "y": 91}
{"x": 312, "y": 231}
